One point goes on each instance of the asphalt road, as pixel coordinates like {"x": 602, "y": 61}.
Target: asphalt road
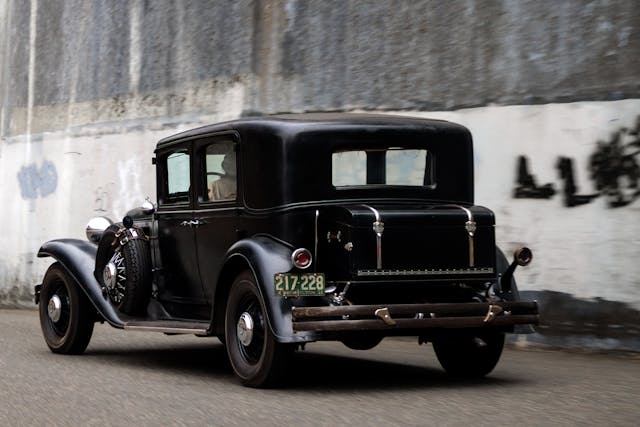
{"x": 137, "y": 378}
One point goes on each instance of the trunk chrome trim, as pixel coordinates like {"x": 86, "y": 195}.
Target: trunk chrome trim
{"x": 378, "y": 229}
{"x": 439, "y": 272}
{"x": 315, "y": 243}
{"x": 470, "y": 226}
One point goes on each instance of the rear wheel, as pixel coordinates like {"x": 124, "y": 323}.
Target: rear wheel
{"x": 256, "y": 357}
{"x": 469, "y": 355}
{"x": 66, "y": 314}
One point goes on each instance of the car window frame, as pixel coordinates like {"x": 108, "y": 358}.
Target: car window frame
{"x": 200, "y": 176}
{"x": 162, "y": 183}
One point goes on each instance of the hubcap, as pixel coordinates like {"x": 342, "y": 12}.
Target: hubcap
{"x": 54, "y": 308}
{"x": 245, "y": 329}
{"x": 110, "y": 275}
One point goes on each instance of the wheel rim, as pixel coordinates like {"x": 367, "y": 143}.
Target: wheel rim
{"x": 114, "y": 276}
{"x": 59, "y": 309}
{"x": 250, "y": 332}
{"x": 245, "y": 329}
{"x": 54, "y": 308}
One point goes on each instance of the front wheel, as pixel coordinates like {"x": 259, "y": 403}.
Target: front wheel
{"x": 256, "y": 357}
{"x": 66, "y": 315}
{"x": 469, "y": 355}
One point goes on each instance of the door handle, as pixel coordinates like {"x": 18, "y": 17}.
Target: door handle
{"x": 193, "y": 223}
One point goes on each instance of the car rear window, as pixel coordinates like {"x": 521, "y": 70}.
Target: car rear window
{"x": 393, "y": 166}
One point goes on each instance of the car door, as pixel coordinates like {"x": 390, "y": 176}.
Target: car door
{"x": 217, "y": 204}
{"x": 179, "y": 289}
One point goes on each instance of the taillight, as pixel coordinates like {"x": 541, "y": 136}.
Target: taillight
{"x": 301, "y": 258}
{"x": 523, "y": 256}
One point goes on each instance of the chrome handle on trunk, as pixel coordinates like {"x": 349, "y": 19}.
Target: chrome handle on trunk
{"x": 471, "y": 229}
{"x": 378, "y": 229}
{"x": 470, "y": 226}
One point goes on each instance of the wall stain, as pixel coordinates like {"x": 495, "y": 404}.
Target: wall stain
{"x": 102, "y": 200}
{"x": 613, "y": 169}
{"x": 38, "y": 182}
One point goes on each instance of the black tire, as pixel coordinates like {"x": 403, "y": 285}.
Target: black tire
{"x": 469, "y": 355}
{"x": 259, "y": 361}
{"x": 67, "y": 329}
{"x": 130, "y": 295}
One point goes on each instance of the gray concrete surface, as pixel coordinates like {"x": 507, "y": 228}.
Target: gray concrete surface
{"x": 131, "y": 378}
{"x": 300, "y": 55}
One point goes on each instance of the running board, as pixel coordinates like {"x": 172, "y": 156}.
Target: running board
{"x": 168, "y": 326}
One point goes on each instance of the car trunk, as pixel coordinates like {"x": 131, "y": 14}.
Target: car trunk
{"x": 424, "y": 241}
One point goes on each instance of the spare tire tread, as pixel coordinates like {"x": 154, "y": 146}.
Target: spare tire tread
{"x": 137, "y": 290}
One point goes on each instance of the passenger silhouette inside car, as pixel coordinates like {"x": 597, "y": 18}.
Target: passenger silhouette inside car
{"x": 225, "y": 187}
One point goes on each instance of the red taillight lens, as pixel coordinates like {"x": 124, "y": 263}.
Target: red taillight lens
{"x": 301, "y": 258}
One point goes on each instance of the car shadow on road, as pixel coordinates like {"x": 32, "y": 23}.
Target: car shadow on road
{"x": 208, "y": 359}
{"x": 346, "y": 372}
{"x": 309, "y": 371}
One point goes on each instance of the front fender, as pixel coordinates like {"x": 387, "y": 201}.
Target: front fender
{"x": 78, "y": 258}
{"x": 265, "y": 257}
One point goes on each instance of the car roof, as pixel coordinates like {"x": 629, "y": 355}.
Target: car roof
{"x": 294, "y": 123}
{"x": 286, "y": 159}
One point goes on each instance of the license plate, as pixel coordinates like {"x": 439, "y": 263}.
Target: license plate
{"x": 298, "y": 284}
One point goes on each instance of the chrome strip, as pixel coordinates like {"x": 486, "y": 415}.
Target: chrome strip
{"x": 481, "y": 270}
{"x": 169, "y": 330}
{"x": 470, "y": 226}
{"x": 315, "y": 244}
{"x": 378, "y": 228}
{"x": 375, "y": 212}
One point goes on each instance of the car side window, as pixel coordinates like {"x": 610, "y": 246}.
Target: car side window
{"x": 219, "y": 174}
{"x": 178, "y": 177}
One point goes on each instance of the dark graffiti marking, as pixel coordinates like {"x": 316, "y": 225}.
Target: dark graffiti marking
{"x": 569, "y": 188}
{"x": 614, "y": 164}
{"x": 527, "y": 188}
{"x": 613, "y": 168}
{"x": 38, "y": 182}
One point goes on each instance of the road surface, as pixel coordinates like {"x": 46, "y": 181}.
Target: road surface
{"x": 150, "y": 379}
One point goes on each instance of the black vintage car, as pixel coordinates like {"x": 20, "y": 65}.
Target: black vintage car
{"x": 277, "y": 231}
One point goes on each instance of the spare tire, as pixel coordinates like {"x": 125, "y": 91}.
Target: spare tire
{"x": 124, "y": 271}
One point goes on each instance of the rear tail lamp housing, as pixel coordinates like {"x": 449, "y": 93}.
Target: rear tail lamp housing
{"x": 523, "y": 256}
{"x": 301, "y": 258}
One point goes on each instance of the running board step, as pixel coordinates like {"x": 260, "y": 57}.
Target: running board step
{"x": 168, "y": 326}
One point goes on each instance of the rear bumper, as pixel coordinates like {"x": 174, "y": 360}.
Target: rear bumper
{"x": 414, "y": 316}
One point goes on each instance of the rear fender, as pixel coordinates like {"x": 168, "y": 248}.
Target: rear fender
{"x": 265, "y": 257}
{"x": 78, "y": 258}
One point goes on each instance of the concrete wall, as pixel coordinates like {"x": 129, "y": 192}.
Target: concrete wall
{"x": 87, "y": 87}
